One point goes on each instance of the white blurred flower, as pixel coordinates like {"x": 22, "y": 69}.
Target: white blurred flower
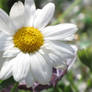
{"x": 82, "y": 87}
{"x": 87, "y": 2}
{"x": 75, "y": 10}
{"x": 81, "y": 16}
{"x": 30, "y": 49}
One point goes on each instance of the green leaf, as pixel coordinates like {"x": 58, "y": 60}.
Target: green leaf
{"x": 68, "y": 89}
{"x": 6, "y": 83}
{"x": 4, "y": 5}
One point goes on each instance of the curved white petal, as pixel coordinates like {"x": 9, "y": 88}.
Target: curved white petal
{"x": 71, "y": 61}
{"x": 44, "y": 53}
{"x": 44, "y": 16}
{"x": 60, "y": 32}
{"x": 53, "y": 57}
{"x": 41, "y": 71}
{"x": 17, "y": 14}
{"x": 6, "y": 24}
{"x": 21, "y": 66}
{"x": 12, "y": 52}
{"x": 58, "y": 52}
{"x": 6, "y": 70}
{"x": 65, "y": 49}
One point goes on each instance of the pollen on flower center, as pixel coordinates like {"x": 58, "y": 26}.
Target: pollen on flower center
{"x": 28, "y": 39}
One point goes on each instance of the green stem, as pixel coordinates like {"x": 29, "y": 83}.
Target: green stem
{"x": 76, "y": 2}
{"x": 14, "y": 88}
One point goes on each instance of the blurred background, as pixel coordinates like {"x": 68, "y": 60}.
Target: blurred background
{"x": 79, "y": 12}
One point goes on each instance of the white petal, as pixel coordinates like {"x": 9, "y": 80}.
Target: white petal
{"x": 6, "y": 25}
{"x": 1, "y": 59}
{"x": 4, "y": 45}
{"x": 6, "y": 70}
{"x": 17, "y": 14}
{"x": 3, "y": 36}
{"x": 58, "y": 52}
{"x": 65, "y": 49}
{"x": 70, "y": 38}
{"x": 12, "y": 52}
{"x": 71, "y": 61}
{"x": 59, "y": 32}
{"x": 31, "y": 5}
{"x": 41, "y": 71}
{"x": 21, "y": 66}
{"x": 53, "y": 57}
{"x": 44, "y": 53}
{"x": 30, "y": 9}
{"x": 5, "y": 41}
{"x": 44, "y": 16}
{"x": 29, "y": 80}
{"x": 56, "y": 60}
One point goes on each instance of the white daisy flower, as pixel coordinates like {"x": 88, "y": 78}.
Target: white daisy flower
{"x": 29, "y": 49}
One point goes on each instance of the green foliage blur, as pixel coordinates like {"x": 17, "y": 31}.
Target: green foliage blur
{"x": 79, "y": 12}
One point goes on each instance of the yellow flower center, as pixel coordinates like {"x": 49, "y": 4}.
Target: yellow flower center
{"x": 28, "y": 39}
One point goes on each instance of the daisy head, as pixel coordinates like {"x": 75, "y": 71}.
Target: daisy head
{"x": 29, "y": 48}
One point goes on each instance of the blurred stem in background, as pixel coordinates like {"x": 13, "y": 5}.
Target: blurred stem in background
{"x": 15, "y": 88}
{"x": 68, "y": 10}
